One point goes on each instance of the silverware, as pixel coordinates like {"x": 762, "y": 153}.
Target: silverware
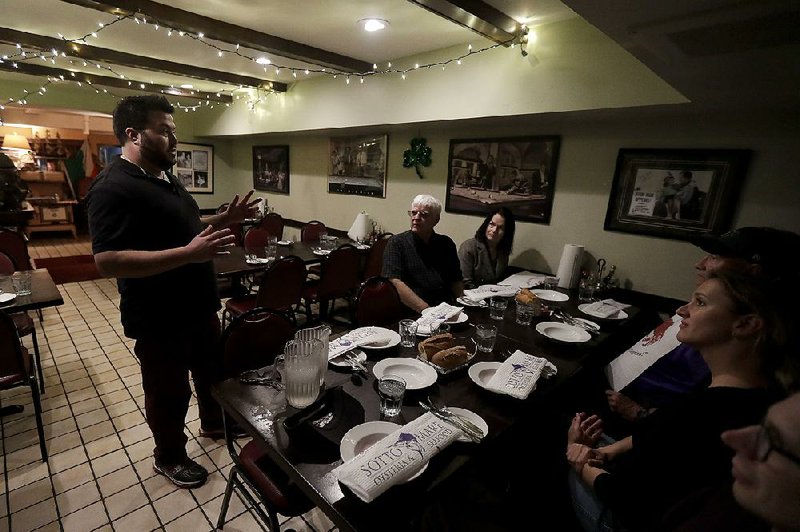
{"x": 569, "y": 320}
{"x": 352, "y": 359}
{"x": 472, "y": 431}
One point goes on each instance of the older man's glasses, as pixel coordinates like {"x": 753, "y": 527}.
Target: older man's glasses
{"x": 765, "y": 444}
{"x": 421, "y": 214}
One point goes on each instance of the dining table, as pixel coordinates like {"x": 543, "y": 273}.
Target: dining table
{"x": 309, "y": 451}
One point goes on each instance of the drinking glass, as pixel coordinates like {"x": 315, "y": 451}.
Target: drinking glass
{"x": 550, "y": 282}
{"x": 391, "y": 389}
{"x": 251, "y": 254}
{"x": 524, "y": 313}
{"x": 272, "y": 247}
{"x": 408, "y": 332}
{"x": 323, "y": 334}
{"x": 497, "y": 307}
{"x": 586, "y": 289}
{"x": 486, "y": 336}
{"x": 21, "y": 282}
{"x": 302, "y": 371}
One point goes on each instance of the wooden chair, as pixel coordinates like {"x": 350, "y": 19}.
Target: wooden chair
{"x": 374, "y": 263}
{"x": 280, "y": 288}
{"x": 16, "y": 369}
{"x": 273, "y": 223}
{"x": 252, "y": 341}
{"x": 339, "y": 278}
{"x": 23, "y": 321}
{"x": 311, "y": 231}
{"x": 377, "y": 303}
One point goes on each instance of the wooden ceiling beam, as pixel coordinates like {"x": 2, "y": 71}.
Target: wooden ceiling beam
{"x": 94, "y": 80}
{"x": 229, "y": 33}
{"x": 104, "y": 55}
{"x": 475, "y": 15}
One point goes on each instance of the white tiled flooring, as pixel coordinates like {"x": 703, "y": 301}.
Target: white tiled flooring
{"x": 99, "y": 475}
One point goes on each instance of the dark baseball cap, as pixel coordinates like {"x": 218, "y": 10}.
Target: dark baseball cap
{"x": 769, "y": 247}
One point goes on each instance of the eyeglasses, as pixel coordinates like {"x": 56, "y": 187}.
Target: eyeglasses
{"x": 765, "y": 444}
{"x": 421, "y": 214}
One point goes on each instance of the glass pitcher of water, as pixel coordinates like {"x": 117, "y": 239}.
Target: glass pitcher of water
{"x": 301, "y": 368}
{"x": 323, "y": 334}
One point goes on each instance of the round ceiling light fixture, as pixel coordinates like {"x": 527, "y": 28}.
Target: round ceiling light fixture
{"x": 373, "y": 24}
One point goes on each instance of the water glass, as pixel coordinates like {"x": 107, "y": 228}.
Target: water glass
{"x": 22, "y": 283}
{"x": 323, "y": 334}
{"x": 272, "y": 247}
{"x": 586, "y": 289}
{"x": 391, "y": 389}
{"x": 485, "y": 337}
{"x": 301, "y": 366}
{"x": 408, "y": 332}
{"x": 524, "y": 313}
{"x": 497, "y": 307}
{"x": 251, "y": 254}
{"x": 550, "y": 282}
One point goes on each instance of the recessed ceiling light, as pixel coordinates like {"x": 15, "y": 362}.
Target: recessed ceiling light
{"x": 187, "y": 86}
{"x": 373, "y": 24}
{"x": 263, "y": 61}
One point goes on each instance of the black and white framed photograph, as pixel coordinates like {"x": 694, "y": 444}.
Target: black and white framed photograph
{"x": 271, "y": 169}
{"x": 518, "y": 173}
{"x": 675, "y": 193}
{"x": 357, "y": 165}
{"x": 194, "y": 167}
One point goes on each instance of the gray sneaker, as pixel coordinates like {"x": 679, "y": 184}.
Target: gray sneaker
{"x": 184, "y": 474}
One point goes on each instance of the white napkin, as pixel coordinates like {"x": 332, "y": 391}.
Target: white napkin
{"x": 523, "y": 280}
{"x": 433, "y": 316}
{"x": 490, "y": 290}
{"x": 397, "y": 457}
{"x": 518, "y": 375}
{"x": 355, "y": 338}
{"x": 606, "y": 308}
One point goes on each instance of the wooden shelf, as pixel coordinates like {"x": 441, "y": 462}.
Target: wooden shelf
{"x": 52, "y": 198}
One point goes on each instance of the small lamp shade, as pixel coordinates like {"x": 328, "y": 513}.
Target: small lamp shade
{"x": 360, "y": 228}
{"x": 15, "y": 141}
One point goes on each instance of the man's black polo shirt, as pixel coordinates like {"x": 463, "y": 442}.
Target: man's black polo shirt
{"x": 130, "y": 210}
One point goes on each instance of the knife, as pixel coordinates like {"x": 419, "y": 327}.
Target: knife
{"x": 457, "y": 421}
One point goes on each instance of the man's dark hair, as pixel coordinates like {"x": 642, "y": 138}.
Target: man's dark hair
{"x": 507, "y": 242}
{"x": 133, "y": 112}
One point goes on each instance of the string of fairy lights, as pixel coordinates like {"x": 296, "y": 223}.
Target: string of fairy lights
{"x": 252, "y": 100}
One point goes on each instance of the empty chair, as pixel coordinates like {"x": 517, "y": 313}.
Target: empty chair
{"x": 280, "y": 288}
{"x": 256, "y": 237}
{"x": 273, "y": 223}
{"x": 252, "y": 341}
{"x": 16, "y": 369}
{"x": 339, "y": 278}
{"x": 311, "y": 231}
{"x": 374, "y": 263}
{"x": 377, "y": 303}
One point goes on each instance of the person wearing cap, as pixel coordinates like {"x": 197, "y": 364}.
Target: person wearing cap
{"x": 757, "y": 251}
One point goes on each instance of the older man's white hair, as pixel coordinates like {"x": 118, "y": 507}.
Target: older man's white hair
{"x": 429, "y": 203}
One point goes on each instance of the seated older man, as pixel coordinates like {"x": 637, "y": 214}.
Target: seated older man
{"x": 422, "y": 264}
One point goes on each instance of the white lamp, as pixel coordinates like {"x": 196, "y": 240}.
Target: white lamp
{"x": 15, "y": 141}
{"x": 360, "y": 228}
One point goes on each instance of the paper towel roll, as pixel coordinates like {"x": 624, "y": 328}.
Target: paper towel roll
{"x": 360, "y": 228}
{"x": 569, "y": 269}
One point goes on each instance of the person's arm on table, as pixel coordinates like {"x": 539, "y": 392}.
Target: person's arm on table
{"x": 408, "y": 297}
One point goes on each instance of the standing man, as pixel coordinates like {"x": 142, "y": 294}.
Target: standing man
{"x": 147, "y": 232}
{"x": 421, "y": 264}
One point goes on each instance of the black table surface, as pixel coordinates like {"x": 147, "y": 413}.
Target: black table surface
{"x": 233, "y": 263}
{"x": 44, "y": 293}
{"x": 309, "y": 455}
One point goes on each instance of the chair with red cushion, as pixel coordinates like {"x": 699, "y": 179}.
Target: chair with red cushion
{"x": 374, "y": 263}
{"x": 311, "y": 231}
{"x": 256, "y": 237}
{"x": 16, "y": 369}
{"x": 22, "y": 320}
{"x": 339, "y": 278}
{"x": 377, "y": 303}
{"x": 273, "y": 223}
{"x": 280, "y": 288}
{"x": 252, "y": 341}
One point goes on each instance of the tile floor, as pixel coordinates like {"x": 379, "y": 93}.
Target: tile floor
{"x": 99, "y": 475}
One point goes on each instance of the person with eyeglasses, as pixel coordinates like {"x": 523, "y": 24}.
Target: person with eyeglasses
{"x": 421, "y": 263}
{"x": 744, "y": 327}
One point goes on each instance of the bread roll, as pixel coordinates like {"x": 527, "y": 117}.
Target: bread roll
{"x": 526, "y": 297}
{"x": 451, "y": 357}
{"x": 430, "y": 346}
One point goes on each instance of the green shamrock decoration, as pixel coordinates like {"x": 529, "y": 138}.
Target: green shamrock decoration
{"x": 419, "y": 154}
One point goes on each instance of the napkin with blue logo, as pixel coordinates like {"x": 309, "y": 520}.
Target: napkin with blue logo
{"x": 518, "y": 375}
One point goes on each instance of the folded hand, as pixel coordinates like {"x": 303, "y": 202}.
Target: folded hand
{"x": 585, "y": 429}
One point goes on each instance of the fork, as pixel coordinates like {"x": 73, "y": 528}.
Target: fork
{"x": 466, "y": 422}
{"x": 352, "y": 359}
{"x": 476, "y": 435}
{"x": 575, "y": 323}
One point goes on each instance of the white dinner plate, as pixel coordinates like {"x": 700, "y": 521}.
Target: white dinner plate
{"x": 586, "y": 309}
{"x": 362, "y": 437}
{"x": 321, "y": 252}
{"x": 362, "y": 246}
{"x": 284, "y": 242}
{"x": 476, "y": 420}
{"x": 7, "y": 297}
{"x": 393, "y": 339}
{"x": 561, "y": 332}
{"x": 482, "y": 372}
{"x": 417, "y": 374}
{"x": 342, "y": 362}
{"x": 471, "y": 302}
{"x": 550, "y": 295}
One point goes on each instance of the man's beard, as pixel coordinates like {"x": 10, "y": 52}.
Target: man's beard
{"x": 156, "y": 157}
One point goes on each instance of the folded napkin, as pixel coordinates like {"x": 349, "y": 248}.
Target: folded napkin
{"x": 606, "y": 308}
{"x": 433, "y": 316}
{"x": 523, "y": 280}
{"x": 518, "y": 375}
{"x": 490, "y": 290}
{"x": 355, "y": 338}
{"x": 397, "y": 457}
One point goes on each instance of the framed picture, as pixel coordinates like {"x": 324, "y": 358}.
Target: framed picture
{"x": 675, "y": 193}
{"x": 518, "y": 173}
{"x": 357, "y": 165}
{"x": 271, "y": 169}
{"x": 195, "y": 167}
